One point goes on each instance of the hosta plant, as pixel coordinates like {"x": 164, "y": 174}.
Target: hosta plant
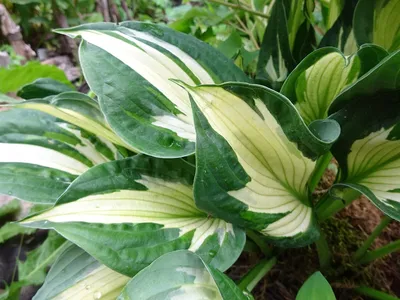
{"x": 158, "y": 180}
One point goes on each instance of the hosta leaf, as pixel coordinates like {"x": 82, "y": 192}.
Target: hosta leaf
{"x": 33, "y": 183}
{"x": 368, "y": 150}
{"x": 77, "y": 275}
{"x": 141, "y": 104}
{"x": 40, "y": 156}
{"x": 286, "y": 38}
{"x": 181, "y": 275}
{"x": 275, "y": 59}
{"x": 138, "y": 209}
{"x": 249, "y": 169}
{"x": 78, "y": 109}
{"x": 331, "y": 10}
{"x": 378, "y": 22}
{"x": 43, "y": 87}
{"x": 341, "y": 34}
{"x": 316, "y": 287}
{"x": 383, "y": 75}
{"x": 323, "y": 74}
{"x": 34, "y": 137}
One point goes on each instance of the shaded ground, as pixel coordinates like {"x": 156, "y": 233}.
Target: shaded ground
{"x": 345, "y": 233}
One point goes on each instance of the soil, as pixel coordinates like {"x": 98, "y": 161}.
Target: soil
{"x": 345, "y": 233}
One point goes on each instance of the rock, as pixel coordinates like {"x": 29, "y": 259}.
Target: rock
{"x": 64, "y": 63}
{"x": 4, "y": 59}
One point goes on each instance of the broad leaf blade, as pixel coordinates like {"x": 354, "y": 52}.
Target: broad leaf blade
{"x": 275, "y": 59}
{"x": 341, "y": 34}
{"x": 368, "y": 149}
{"x": 323, "y": 75}
{"x": 77, "y": 109}
{"x": 22, "y": 75}
{"x": 33, "y": 183}
{"x": 378, "y": 22}
{"x": 181, "y": 275}
{"x": 43, "y": 87}
{"x": 33, "y": 137}
{"x": 138, "y": 209}
{"x": 149, "y": 112}
{"x": 382, "y": 76}
{"x": 40, "y": 155}
{"x": 249, "y": 169}
{"x": 315, "y": 288}
{"x": 77, "y": 275}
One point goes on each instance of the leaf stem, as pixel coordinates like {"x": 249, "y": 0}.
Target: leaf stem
{"x": 319, "y": 171}
{"x": 324, "y": 253}
{"x": 328, "y": 206}
{"x": 374, "y": 294}
{"x": 377, "y": 231}
{"x": 240, "y": 7}
{"x": 260, "y": 242}
{"x": 380, "y": 252}
{"x": 250, "y": 280}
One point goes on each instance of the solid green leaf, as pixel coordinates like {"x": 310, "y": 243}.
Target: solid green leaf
{"x": 147, "y": 110}
{"x": 127, "y": 213}
{"x": 34, "y": 269}
{"x": 10, "y": 230}
{"x": 378, "y": 22}
{"x": 43, "y": 87}
{"x": 22, "y": 75}
{"x": 181, "y": 275}
{"x": 10, "y": 208}
{"x": 323, "y": 74}
{"x": 316, "y": 287}
{"x": 252, "y": 164}
{"x": 77, "y": 275}
{"x": 231, "y": 46}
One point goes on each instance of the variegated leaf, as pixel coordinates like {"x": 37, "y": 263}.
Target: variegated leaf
{"x": 181, "y": 275}
{"x": 369, "y": 148}
{"x": 286, "y": 39}
{"x": 331, "y": 10}
{"x": 77, "y": 109}
{"x": 77, "y": 275}
{"x": 127, "y": 213}
{"x": 380, "y": 73}
{"x": 249, "y": 169}
{"x": 323, "y": 74}
{"x": 341, "y": 34}
{"x": 148, "y": 111}
{"x": 378, "y": 22}
{"x": 40, "y": 156}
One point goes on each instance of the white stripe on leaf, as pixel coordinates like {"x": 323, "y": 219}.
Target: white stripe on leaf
{"x": 166, "y": 203}
{"x": 278, "y": 170}
{"x": 45, "y": 157}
